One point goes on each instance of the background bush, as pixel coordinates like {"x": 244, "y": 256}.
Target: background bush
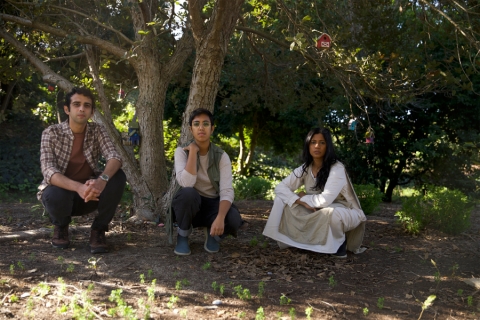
{"x": 439, "y": 208}
{"x": 20, "y": 154}
{"x": 370, "y": 197}
{"x": 252, "y": 188}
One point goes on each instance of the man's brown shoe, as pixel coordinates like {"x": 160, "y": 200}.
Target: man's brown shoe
{"x": 60, "y": 237}
{"x": 98, "y": 243}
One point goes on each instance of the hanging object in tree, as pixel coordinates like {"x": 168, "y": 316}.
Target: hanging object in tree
{"x": 352, "y": 124}
{"x": 134, "y": 132}
{"x": 369, "y": 136}
{"x": 324, "y": 42}
{"x": 121, "y": 94}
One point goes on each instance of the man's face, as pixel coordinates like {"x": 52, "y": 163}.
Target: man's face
{"x": 201, "y": 128}
{"x": 80, "y": 110}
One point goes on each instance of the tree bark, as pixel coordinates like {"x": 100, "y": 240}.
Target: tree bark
{"x": 241, "y": 153}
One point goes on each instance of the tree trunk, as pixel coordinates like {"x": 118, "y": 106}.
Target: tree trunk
{"x": 211, "y": 40}
{"x": 241, "y": 153}
{"x": 253, "y": 145}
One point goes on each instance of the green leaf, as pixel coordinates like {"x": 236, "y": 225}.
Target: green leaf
{"x": 143, "y": 32}
{"x": 429, "y": 301}
{"x": 306, "y": 18}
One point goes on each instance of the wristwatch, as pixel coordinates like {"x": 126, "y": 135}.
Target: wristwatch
{"x": 104, "y": 177}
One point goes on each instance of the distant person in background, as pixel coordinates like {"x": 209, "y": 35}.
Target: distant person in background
{"x": 204, "y": 198}
{"x": 72, "y": 186}
{"x": 327, "y": 216}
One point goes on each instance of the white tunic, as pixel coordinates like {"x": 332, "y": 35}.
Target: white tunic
{"x": 343, "y": 220}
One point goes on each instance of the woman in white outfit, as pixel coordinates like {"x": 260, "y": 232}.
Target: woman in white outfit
{"x": 327, "y": 216}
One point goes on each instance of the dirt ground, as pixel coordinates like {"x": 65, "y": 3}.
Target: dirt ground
{"x": 390, "y": 280}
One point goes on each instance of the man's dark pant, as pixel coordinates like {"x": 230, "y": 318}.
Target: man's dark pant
{"x": 62, "y": 204}
{"x": 193, "y": 210}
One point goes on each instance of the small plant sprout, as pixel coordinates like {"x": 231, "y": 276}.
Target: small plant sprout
{"x": 380, "y": 302}
{"x": 309, "y": 312}
{"x": 284, "y": 299}
{"x": 150, "y": 273}
{"x": 460, "y": 292}
{"x": 279, "y": 315}
{"x": 13, "y": 298}
{"x": 332, "y": 282}
{"x": 291, "y": 313}
{"x": 62, "y": 287}
{"x": 12, "y": 269}
{"x": 242, "y": 314}
{"x": 207, "y": 265}
{"x": 42, "y": 289}
{"x": 183, "y": 313}
{"x": 243, "y": 294}
{"x": 214, "y": 286}
{"x": 172, "y": 301}
{"x": 264, "y": 244}
{"x": 437, "y": 276}
{"x": 427, "y": 303}
{"x": 260, "y": 315}
{"x": 178, "y": 285}
{"x": 20, "y": 265}
{"x": 365, "y": 311}
{"x": 61, "y": 260}
{"x": 151, "y": 291}
{"x": 470, "y": 301}
{"x": 70, "y": 267}
{"x": 142, "y": 278}
{"x": 254, "y": 241}
{"x": 261, "y": 289}
{"x": 454, "y": 269}
{"x": 129, "y": 237}
{"x": 94, "y": 263}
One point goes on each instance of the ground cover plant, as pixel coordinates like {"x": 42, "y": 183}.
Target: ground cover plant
{"x": 400, "y": 276}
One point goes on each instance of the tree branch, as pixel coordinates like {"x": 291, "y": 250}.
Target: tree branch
{"x": 194, "y": 12}
{"x": 48, "y": 74}
{"x": 73, "y": 56}
{"x": 121, "y": 35}
{"x": 108, "y": 46}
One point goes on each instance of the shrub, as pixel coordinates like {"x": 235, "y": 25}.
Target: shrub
{"x": 251, "y": 188}
{"x": 369, "y": 196}
{"x": 442, "y": 209}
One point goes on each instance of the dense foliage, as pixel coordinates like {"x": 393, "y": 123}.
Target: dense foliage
{"x": 436, "y": 207}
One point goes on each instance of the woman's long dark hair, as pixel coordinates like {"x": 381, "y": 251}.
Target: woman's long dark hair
{"x": 329, "y": 159}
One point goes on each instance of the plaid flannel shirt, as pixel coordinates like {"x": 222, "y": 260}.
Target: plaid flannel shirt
{"x": 56, "y": 148}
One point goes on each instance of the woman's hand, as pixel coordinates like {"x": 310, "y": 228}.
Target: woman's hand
{"x": 192, "y": 147}
{"x": 300, "y": 202}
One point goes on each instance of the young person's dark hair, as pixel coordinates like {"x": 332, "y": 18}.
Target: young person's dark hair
{"x": 329, "y": 159}
{"x": 83, "y": 91}
{"x": 198, "y": 112}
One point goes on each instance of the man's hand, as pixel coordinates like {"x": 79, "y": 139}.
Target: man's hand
{"x": 192, "y": 147}
{"x": 217, "y": 227}
{"x": 93, "y": 190}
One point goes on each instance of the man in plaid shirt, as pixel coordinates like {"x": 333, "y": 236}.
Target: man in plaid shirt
{"x": 72, "y": 186}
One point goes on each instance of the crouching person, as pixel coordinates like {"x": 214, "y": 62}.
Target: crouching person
{"x": 69, "y": 155}
{"x": 205, "y": 194}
